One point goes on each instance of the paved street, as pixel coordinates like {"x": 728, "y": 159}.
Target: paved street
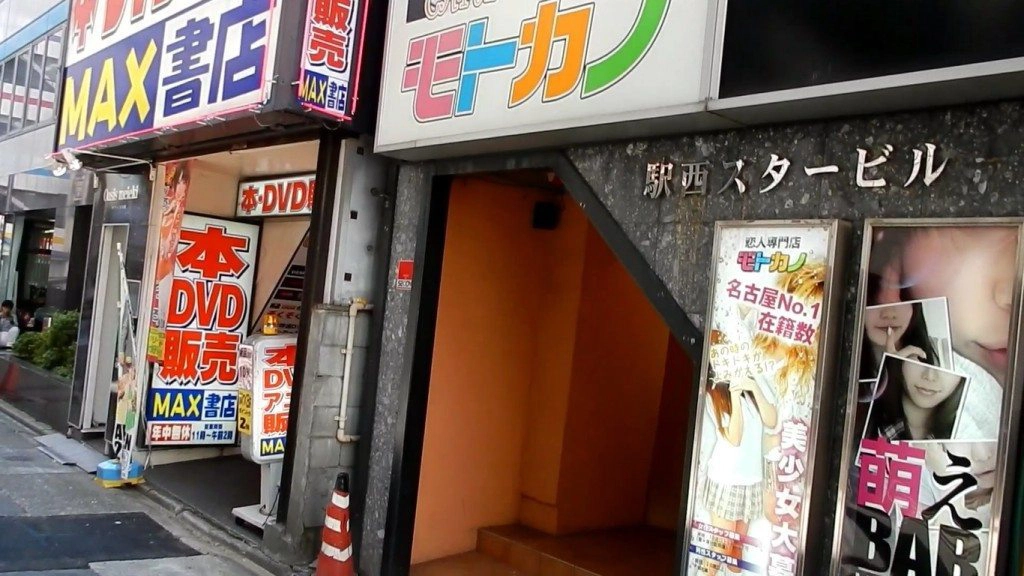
{"x": 55, "y": 521}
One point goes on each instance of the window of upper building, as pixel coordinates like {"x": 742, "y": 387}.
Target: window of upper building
{"x": 30, "y": 83}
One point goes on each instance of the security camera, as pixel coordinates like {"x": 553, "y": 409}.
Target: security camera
{"x": 63, "y": 161}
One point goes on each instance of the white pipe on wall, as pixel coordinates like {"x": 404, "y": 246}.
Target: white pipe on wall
{"x": 357, "y": 305}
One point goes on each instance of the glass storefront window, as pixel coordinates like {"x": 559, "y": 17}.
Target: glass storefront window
{"x": 20, "y": 88}
{"x": 30, "y": 83}
{"x": 51, "y": 75}
{"x": 6, "y": 100}
{"x": 33, "y": 90}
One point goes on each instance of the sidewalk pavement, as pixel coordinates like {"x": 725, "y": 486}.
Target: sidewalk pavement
{"x": 56, "y": 521}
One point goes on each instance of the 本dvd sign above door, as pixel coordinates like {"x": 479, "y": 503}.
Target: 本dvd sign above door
{"x": 461, "y": 70}
{"x": 283, "y": 196}
{"x": 151, "y": 65}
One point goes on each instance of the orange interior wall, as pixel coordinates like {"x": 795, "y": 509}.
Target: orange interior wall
{"x": 557, "y": 304}
{"x": 484, "y": 345}
{"x": 618, "y": 371}
{"x": 557, "y": 397}
{"x": 664, "y": 491}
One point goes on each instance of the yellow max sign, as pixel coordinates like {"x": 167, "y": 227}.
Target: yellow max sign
{"x": 109, "y": 97}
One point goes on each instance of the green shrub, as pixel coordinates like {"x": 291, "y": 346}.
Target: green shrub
{"x": 26, "y": 345}
{"x": 57, "y": 352}
{"x": 54, "y": 348}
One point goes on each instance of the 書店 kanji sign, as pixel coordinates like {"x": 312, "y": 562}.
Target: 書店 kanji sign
{"x": 331, "y": 52}
{"x": 194, "y": 395}
{"x": 284, "y": 196}
{"x": 147, "y": 65}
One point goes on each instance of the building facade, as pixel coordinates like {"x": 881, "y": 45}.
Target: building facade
{"x": 41, "y": 206}
{"x": 623, "y": 230}
{"x": 236, "y": 232}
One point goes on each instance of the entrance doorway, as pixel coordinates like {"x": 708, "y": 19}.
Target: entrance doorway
{"x": 251, "y": 210}
{"x": 557, "y": 407}
{"x": 33, "y": 267}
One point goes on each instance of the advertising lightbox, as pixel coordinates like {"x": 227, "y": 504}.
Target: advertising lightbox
{"x": 766, "y": 373}
{"x": 151, "y": 65}
{"x": 463, "y": 71}
{"x": 933, "y": 399}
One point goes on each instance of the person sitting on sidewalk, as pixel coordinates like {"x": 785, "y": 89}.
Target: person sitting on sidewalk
{"x": 8, "y": 324}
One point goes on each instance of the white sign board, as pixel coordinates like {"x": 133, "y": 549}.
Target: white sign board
{"x": 134, "y": 68}
{"x": 282, "y": 196}
{"x": 459, "y": 71}
{"x": 266, "y": 365}
{"x": 194, "y": 395}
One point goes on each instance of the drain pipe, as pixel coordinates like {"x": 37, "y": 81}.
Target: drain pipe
{"x": 357, "y": 305}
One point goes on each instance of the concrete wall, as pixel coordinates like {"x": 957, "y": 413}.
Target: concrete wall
{"x": 984, "y": 177}
{"x": 16, "y": 14}
{"x": 318, "y": 455}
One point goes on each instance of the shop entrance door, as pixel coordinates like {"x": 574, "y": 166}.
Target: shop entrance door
{"x": 105, "y": 329}
{"x": 558, "y": 401}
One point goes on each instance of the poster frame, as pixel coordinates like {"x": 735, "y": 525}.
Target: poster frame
{"x": 825, "y": 375}
{"x": 1010, "y": 412}
{"x": 153, "y": 367}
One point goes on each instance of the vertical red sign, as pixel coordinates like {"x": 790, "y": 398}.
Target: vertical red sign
{"x": 403, "y": 276}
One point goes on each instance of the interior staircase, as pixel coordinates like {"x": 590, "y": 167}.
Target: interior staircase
{"x": 521, "y": 551}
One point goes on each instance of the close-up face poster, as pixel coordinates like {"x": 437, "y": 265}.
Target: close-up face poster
{"x": 922, "y": 453}
{"x": 757, "y": 409}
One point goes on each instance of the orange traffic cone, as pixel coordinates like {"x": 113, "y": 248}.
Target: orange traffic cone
{"x": 336, "y": 550}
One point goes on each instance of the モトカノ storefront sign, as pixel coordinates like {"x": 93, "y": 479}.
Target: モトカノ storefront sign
{"x": 265, "y": 392}
{"x": 666, "y": 177}
{"x": 194, "y": 395}
{"x": 931, "y": 409}
{"x": 284, "y": 196}
{"x": 331, "y": 56}
{"x": 459, "y": 70}
{"x": 765, "y": 375}
{"x": 149, "y": 65}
